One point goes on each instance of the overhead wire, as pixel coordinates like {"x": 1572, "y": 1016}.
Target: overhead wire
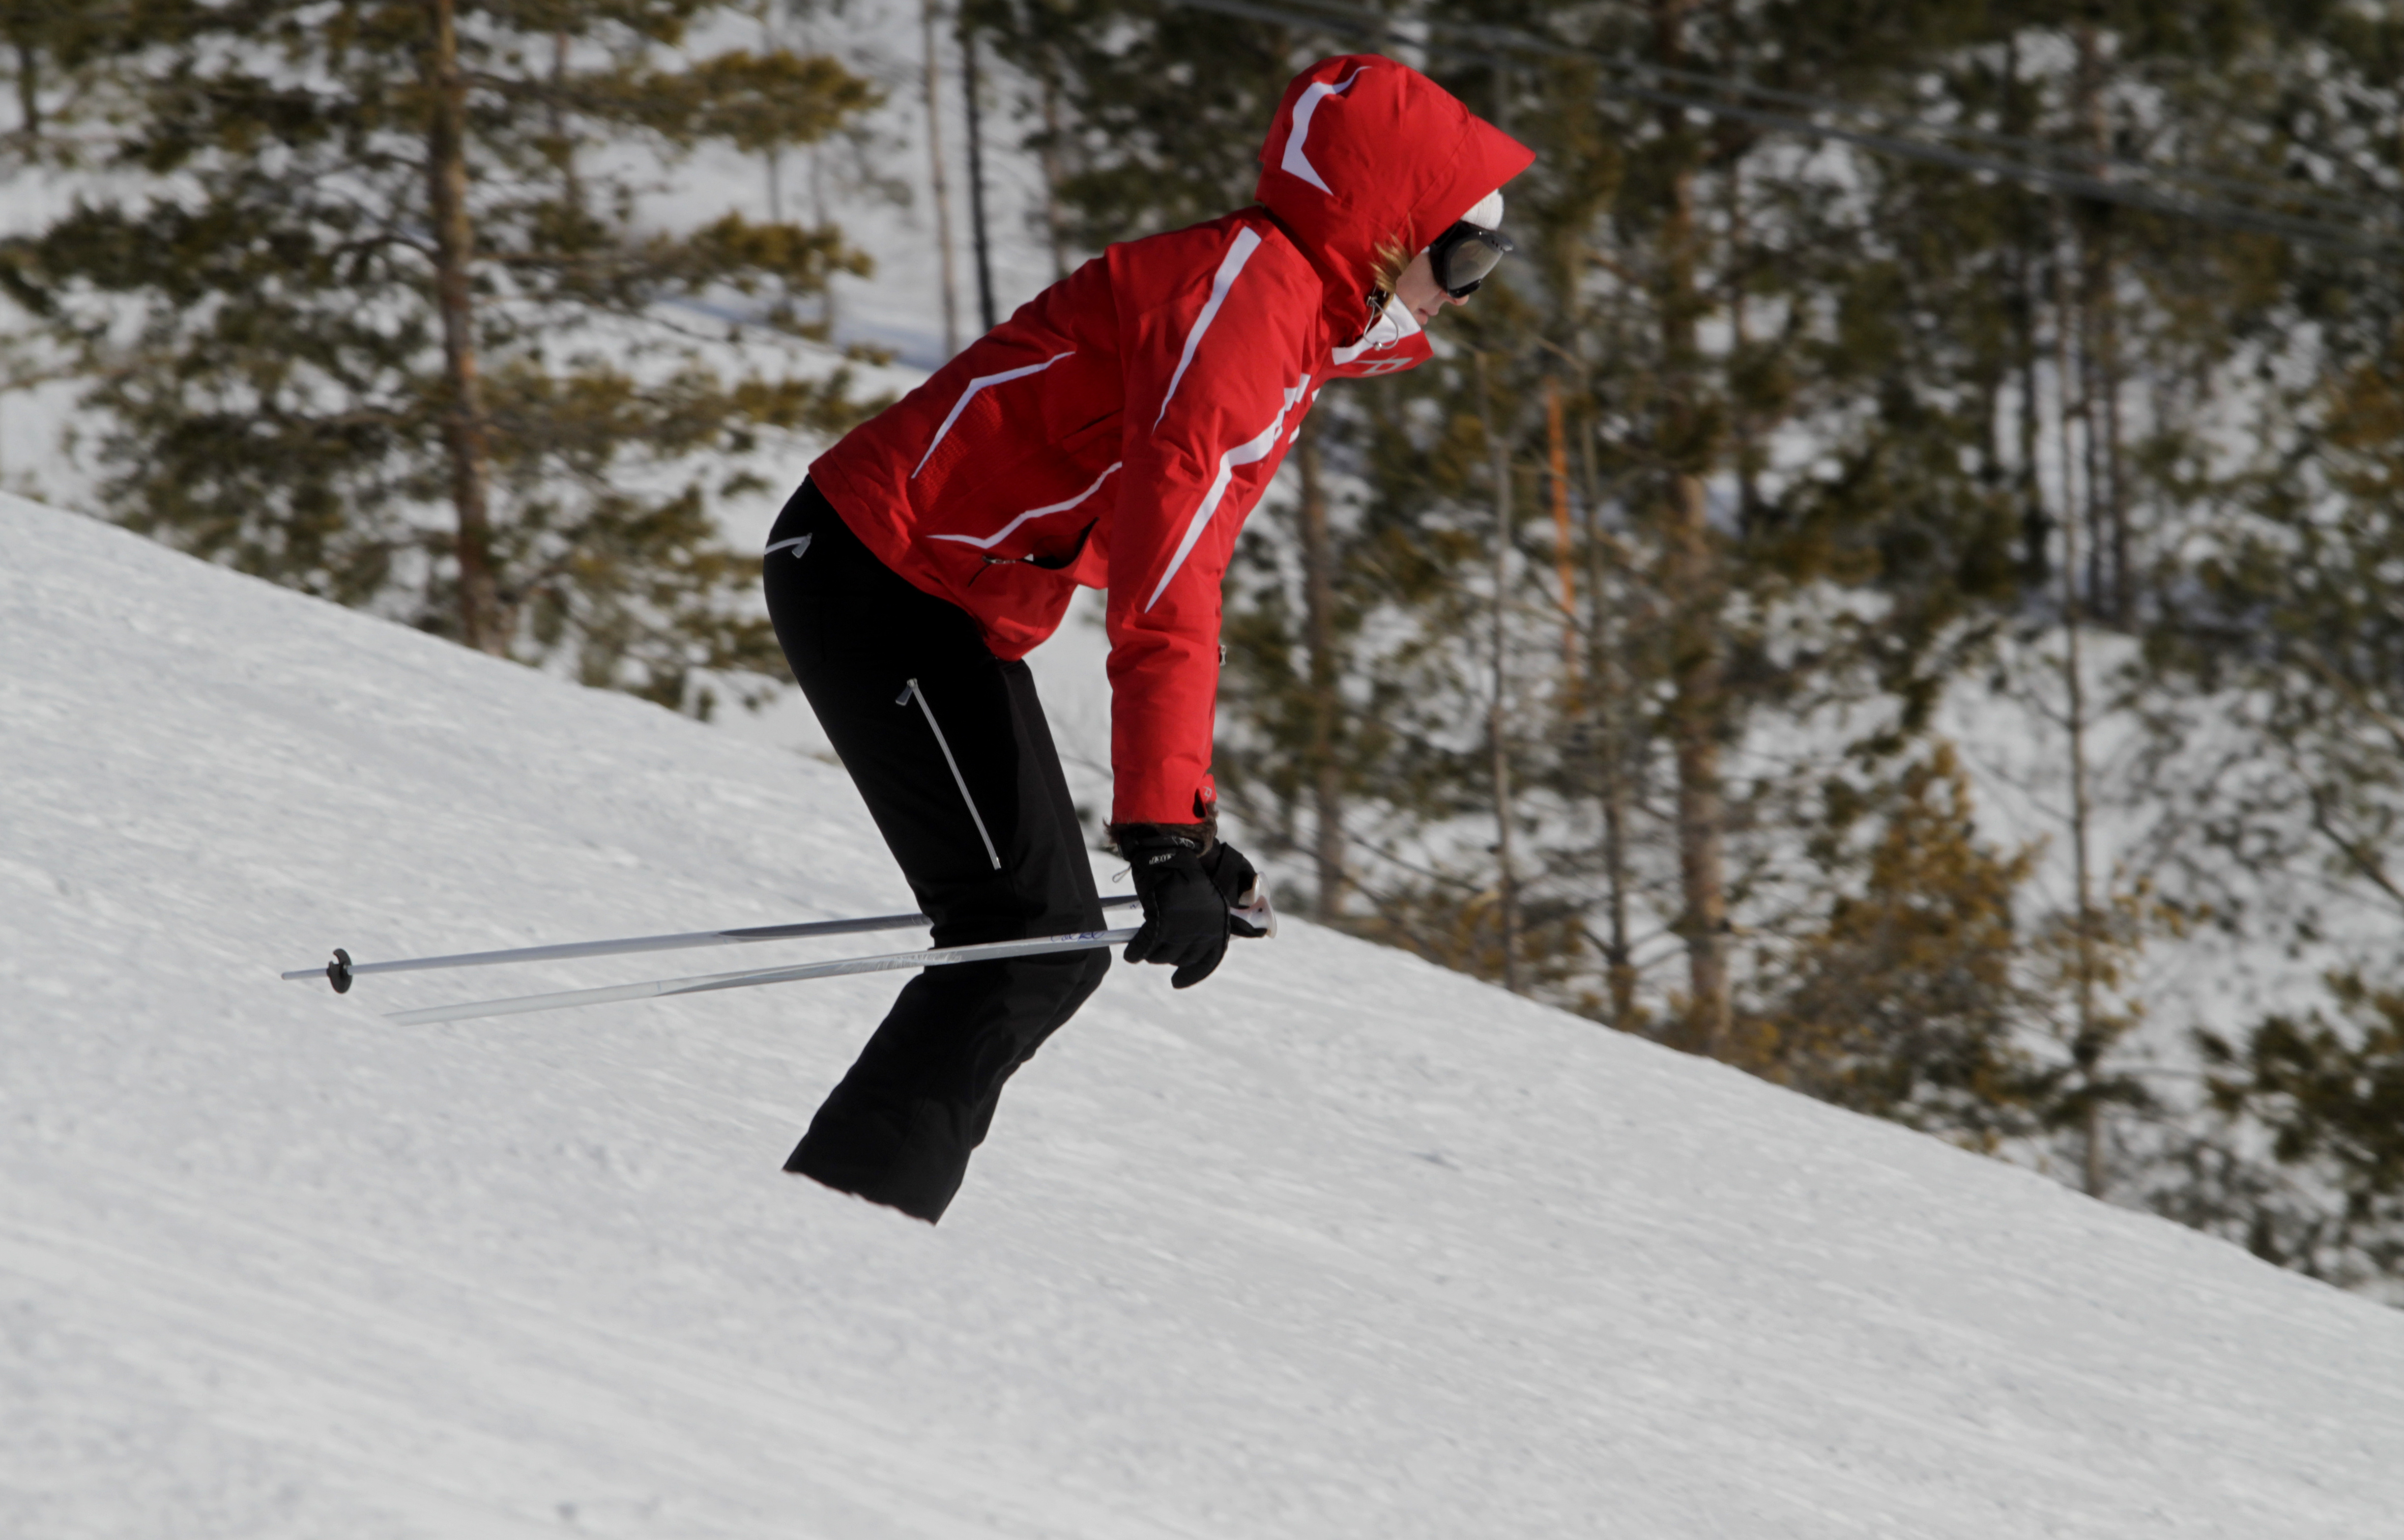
{"x": 1355, "y": 18}
{"x": 2079, "y": 157}
{"x": 2050, "y": 165}
{"x": 2100, "y": 178}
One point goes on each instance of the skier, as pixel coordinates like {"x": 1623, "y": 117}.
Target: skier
{"x": 1113, "y": 433}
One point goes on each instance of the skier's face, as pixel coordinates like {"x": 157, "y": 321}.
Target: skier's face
{"x": 1418, "y": 291}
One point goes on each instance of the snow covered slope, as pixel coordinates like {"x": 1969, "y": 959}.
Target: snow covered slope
{"x": 1338, "y": 1244}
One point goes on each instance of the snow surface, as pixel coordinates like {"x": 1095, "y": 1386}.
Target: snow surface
{"x": 1338, "y": 1244}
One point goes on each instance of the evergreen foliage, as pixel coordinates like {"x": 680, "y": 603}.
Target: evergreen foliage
{"x": 1159, "y": 108}
{"x": 386, "y": 256}
{"x": 1604, "y": 657}
{"x": 2330, "y": 1096}
{"x": 1909, "y": 1001}
{"x": 1600, "y": 656}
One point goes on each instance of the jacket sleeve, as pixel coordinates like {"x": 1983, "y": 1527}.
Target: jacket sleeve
{"x": 1214, "y": 390}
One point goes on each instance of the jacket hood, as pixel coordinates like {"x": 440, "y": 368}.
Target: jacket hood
{"x": 1365, "y": 151}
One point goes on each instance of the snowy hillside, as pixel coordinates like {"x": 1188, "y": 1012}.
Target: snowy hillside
{"x": 1338, "y": 1244}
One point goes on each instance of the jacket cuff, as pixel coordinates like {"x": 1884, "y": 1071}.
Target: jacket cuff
{"x": 1203, "y": 835}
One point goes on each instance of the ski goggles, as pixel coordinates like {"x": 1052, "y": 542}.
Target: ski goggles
{"x": 1463, "y": 256}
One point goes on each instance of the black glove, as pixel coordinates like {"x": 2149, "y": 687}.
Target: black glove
{"x": 1185, "y": 919}
{"x": 1239, "y": 885}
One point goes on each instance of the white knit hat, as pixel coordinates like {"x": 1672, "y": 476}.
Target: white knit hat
{"x": 1487, "y": 214}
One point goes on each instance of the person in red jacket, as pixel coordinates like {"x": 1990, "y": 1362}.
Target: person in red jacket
{"x": 1113, "y": 434}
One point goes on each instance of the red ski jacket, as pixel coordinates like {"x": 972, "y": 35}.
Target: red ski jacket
{"x": 1117, "y": 429}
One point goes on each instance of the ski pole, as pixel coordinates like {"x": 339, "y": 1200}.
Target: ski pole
{"x": 342, "y": 970}
{"x": 704, "y": 983}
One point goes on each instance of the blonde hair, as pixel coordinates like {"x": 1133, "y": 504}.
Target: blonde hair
{"x": 1390, "y": 260}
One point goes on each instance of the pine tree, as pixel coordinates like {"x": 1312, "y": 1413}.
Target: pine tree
{"x": 1162, "y": 107}
{"x": 2330, "y": 1096}
{"x": 1152, "y": 118}
{"x": 1907, "y": 1002}
{"x": 2271, "y": 693}
{"x": 52, "y": 55}
{"x": 387, "y": 323}
{"x": 1821, "y": 431}
{"x": 1677, "y": 309}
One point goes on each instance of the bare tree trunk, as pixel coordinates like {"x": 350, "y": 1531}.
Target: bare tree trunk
{"x": 774, "y": 157}
{"x": 569, "y": 183}
{"x": 2086, "y": 1048}
{"x": 1326, "y": 703}
{"x": 1607, "y": 698}
{"x": 2087, "y": 1044}
{"x": 1556, "y": 442}
{"x": 2037, "y": 535}
{"x": 1497, "y": 715}
{"x": 1748, "y": 481}
{"x": 2115, "y": 498}
{"x": 814, "y": 161}
{"x": 481, "y": 622}
{"x": 942, "y": 198}
{"x": 771, "y": 17}
{"x": 1698, "y": 702}
{"x": 970, "y": 94}
{"x": 29, "y": 90}
{"x": 2108, "y": 589}
{"x": 1048, "y": 160}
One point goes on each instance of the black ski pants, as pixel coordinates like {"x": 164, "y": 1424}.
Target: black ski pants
{"x": 949, "y": 748}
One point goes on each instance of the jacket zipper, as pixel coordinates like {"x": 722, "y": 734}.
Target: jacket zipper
{"x": 913, "y": 688}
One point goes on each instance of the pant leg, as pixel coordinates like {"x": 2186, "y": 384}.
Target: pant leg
{"x": 987, "y": 838}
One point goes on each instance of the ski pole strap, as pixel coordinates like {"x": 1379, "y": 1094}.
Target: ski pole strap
{"x": 705, "y": 983}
